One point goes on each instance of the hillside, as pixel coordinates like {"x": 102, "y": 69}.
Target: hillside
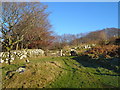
{"x": 60, "y": 72}
{"x": 105, "y": 34}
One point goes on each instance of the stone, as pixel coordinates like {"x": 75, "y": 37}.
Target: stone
{"x": 7, "y": 59}
{"x": 63, "y": 54}
{"x": 1, "y": 61}
{"x": 20, "y": 54}
{"x": 12, "y": 58}
{"x": 73, "y": 53}
{"x": 27, "y": 61}
{"x": 15, "y": 53}
{"x": 1, "y": 54}
{"x": 6, "y": 62}
{"x": 21, "y": 69}
{"x": 23, "y": 56}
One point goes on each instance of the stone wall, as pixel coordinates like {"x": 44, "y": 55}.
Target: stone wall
{"x": 20, "y": 54}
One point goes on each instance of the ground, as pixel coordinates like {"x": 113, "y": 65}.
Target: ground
{"x": 59, "y": 72}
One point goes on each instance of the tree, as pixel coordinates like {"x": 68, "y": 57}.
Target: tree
{"x": 8, "y": 43}
{"x": 18, "y": 19}
{"x": 39, "y": 39}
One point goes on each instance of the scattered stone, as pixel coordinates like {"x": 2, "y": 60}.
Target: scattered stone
{"x": 21, "y": 69}
{"x": 6, "y": 59}
{"x": 6, "y": 62}
{"x": 20, "y": 54}
{"x": 1, "y": 61}
{"x": 73, "y": 53}
{"x": 27, "y": 61}
{"x": 23, "y": 56}
{"x": 63, "y": 54}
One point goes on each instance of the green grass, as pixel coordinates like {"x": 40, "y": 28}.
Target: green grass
{"x": 60, "y": 72}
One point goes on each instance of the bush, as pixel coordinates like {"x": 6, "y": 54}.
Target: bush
{"x": 107, "y": 51}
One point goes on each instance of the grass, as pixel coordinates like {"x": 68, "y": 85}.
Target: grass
{"x": 60, "y": 72}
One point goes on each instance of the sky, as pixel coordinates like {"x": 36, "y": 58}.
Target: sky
{"x": 60, "y": 0}
{"x": 82, "y": 17}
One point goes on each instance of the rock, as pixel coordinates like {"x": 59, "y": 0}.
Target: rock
{"x": 63, "y": 54}
{"x": 20, "y": 54}
{"x": 73, "y": 53}
{"x": 1, "y": 54}
{"x": 15, "y": 53}
{"x": 6, "y": 59}
{"x": 27, "y": 61}
{"x": 6, "y": 62}
{"x": 21, "y": 69}
{"x": 1, "y": 61}
{"x": 23, "y": 56}
{"x": 12, "y": 58}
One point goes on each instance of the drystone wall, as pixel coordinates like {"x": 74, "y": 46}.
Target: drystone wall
{"x": 20, "y": 54}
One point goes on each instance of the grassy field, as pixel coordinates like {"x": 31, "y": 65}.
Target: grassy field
{"x": 59, "y": 72}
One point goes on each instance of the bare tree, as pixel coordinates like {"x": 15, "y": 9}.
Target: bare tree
{"x": 18, "y": 19}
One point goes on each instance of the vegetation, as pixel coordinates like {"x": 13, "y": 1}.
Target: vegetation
{"x": 60, "y": 72}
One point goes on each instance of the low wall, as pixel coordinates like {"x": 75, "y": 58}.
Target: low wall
{"x": 20, "y": 54}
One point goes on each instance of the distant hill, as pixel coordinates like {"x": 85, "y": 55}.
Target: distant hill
{"x": 112, "y": 32}
{"x": 104, "y": 34}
